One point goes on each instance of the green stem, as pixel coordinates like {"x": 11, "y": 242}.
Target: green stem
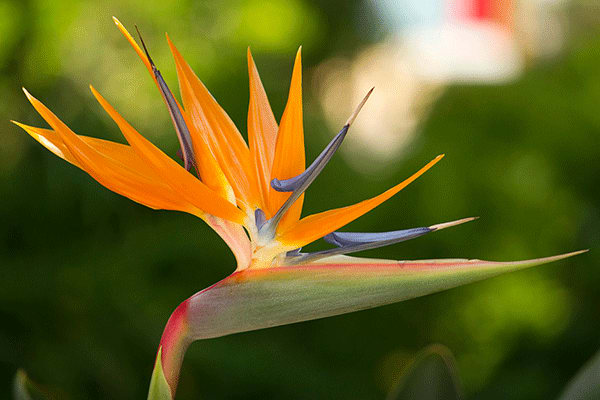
{"x": 173, "y": 345}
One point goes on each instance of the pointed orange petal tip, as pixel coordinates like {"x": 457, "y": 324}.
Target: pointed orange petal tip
{"x": 29, "y": 96}
{"x": 315, "y": 226}
{"x": 20, "y": 125}
{"x": 134, "y": 44}
{"x": 251, "y": 64}
{"x": 298, "y": 60}
{"x": 95, "y": 92}
{"x": 297, "y": 69}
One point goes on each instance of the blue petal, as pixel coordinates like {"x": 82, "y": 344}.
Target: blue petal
{"x": 183, "y": 133}
{"x": 301, "y": 182}
{"x": 354, "y": 238}
{"x": 298, "y": 184}
{"x": 352, "y": 242}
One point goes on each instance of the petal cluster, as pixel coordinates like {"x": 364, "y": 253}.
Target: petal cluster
{"x": 251, "y": 194}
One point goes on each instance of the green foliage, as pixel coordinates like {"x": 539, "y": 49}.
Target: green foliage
{"x": 88, "y": 279}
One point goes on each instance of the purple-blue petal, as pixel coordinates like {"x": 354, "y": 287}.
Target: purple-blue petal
{"x": 183, "y": 133}
{"x": 302, "y": 182}
{"x": 354, "y": 238}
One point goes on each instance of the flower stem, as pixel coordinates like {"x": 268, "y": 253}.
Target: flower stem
{"x": 173, "y": 345}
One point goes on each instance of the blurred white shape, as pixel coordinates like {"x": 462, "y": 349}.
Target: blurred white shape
{"x": 458, "y": 40}
{"x": 432, "y": 43}
{"x": 388, "y": 121}
{"x": 480, "y": 52}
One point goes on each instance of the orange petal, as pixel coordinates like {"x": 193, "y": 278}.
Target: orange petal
{"x": 121, "y": 153}
{"x": 210, "y": 172}
{"x": 233, "y": 234}
{"x": 262, "y": 134}
{"x": 218, "y": 131}
{"x": 289, "y": 150}
{"x": 315, "y": 226}
{"x": 184, "y": 183}
{"x": 50, "y": 140}
{"x": 135, "y": 46}
{"x": 111, "y": 170}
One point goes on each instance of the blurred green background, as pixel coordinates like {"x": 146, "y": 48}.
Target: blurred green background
{"x": 88, "y": 278}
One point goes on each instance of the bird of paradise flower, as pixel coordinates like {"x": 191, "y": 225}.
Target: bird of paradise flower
{"x": 252, "y": 195}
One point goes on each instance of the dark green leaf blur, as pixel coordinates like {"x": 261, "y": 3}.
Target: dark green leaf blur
{"x": 88, "y": 278}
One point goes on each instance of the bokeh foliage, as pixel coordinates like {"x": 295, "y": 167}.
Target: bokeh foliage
{"x": 88, "y": 279}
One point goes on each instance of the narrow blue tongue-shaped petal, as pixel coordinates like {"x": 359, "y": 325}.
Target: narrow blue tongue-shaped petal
{"x": 301, "y": 182}
{"x": 344, "y": 239}
{"x": 183, "y": 134}
{"x": 298, "y": 184}
{"x": 352, "y": 242}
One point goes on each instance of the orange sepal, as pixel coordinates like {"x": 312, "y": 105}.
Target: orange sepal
{"x": 184, "y": 183}
{"x": 315, "y": 226}
{"x": 289, "y": 159}
{"x": 218, "y": 131}
{"x": 262, "y": 134}
{"x": 208, "y": 168}
{"x": 107, "y": 163}
{"x": 135, "y": 46}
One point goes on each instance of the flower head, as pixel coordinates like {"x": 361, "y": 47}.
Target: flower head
{"x": 251, "y": 194}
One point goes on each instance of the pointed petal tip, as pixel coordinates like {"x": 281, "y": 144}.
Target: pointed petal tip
{"x": 350, "y": 120}
{"x": 95, "y": 92}
{"x": 20, "y": 125}
{"x": 298, "y": 60}
{"x": 171, "y": 44}
{"x": 251, "y": 65}
{"x": 559, "y": 256}
{"x": 144, "y": 45}
{"x": 573, "y": 253}
{"x": 29, "y": 96}
{"x": 297, "y": 69}
{"x": 445, "y": 225}
{"x": 116, "y": 21}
